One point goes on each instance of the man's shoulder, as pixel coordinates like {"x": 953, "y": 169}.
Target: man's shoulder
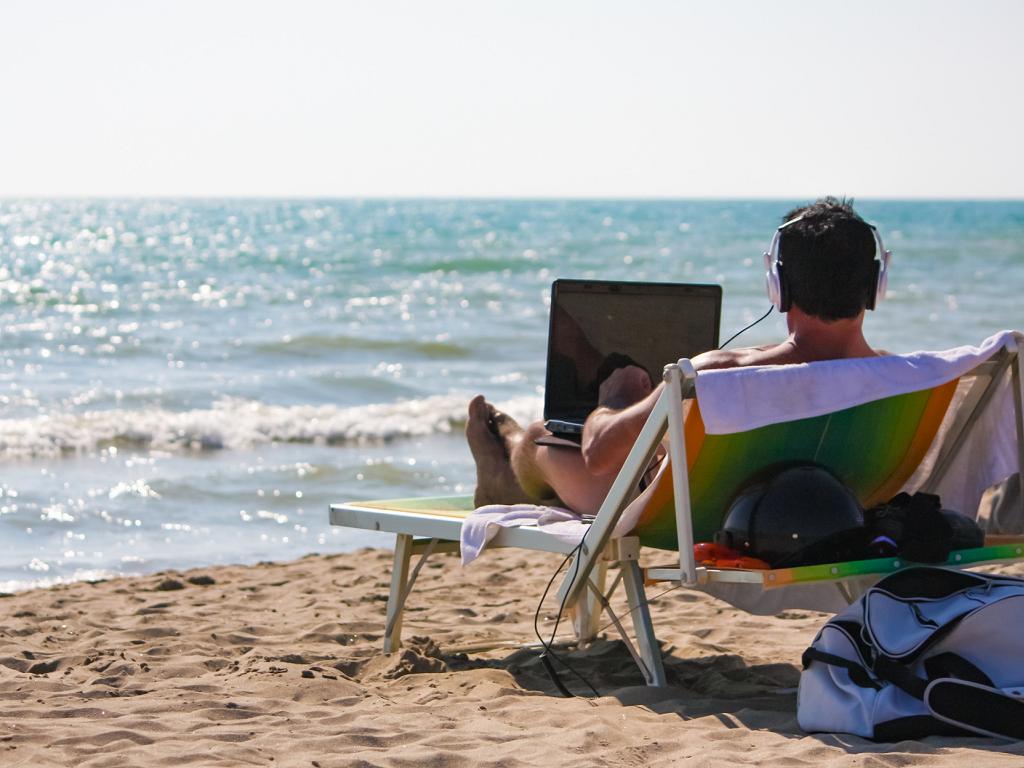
{"x": 773, "y": 354}
{"x": 734, "y": 358}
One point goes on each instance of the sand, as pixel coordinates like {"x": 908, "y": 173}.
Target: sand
{"x": 279, "y": 664}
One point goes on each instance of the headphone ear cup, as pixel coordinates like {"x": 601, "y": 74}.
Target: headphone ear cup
{"x": 876, "y": 285}
{"x": 785, "y": 301}
{"x": 771, "y": 280}
{"x": 883, "y": 275}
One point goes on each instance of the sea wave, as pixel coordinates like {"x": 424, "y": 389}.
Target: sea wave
{"x": 312, "y": 345}
{"x": 8, "y": 586}
{"x": 233, "y": 423}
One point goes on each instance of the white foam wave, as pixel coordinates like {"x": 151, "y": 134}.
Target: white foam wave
{"x": 7, "y": 586}
{"x": 235, "y": 424}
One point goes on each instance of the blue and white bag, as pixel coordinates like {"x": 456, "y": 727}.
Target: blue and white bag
{"x": 927, "y": 651}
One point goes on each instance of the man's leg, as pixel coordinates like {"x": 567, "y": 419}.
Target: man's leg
{"x": 559, "y": 472}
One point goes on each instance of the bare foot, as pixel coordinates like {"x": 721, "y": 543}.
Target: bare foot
{"x": 491, "y": 435}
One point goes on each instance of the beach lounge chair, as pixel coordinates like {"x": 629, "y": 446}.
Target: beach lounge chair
{"x": 930, "y": 438}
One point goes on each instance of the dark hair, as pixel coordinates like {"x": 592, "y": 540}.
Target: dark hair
{"x": 828, "y": 257}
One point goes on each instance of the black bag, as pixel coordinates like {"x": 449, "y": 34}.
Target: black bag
{"x": 919, "y": 529}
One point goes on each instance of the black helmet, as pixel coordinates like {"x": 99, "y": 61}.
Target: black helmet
{"x": 795, "y": 514}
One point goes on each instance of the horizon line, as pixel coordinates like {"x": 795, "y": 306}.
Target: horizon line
{"x": 506, "y": 198}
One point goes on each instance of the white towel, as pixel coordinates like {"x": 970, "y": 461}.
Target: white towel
{"x": 483, "y": 524}
{"x": 739, "y": 399}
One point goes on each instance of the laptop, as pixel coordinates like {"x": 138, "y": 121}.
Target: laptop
{"x": 597, "y": 326}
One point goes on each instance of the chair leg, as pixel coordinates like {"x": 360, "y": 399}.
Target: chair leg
{"x": 853, "y": 589}
{"x": 643, "y": 628}
{"x": 588, "y": 609}
{"x": 396, "y": 598}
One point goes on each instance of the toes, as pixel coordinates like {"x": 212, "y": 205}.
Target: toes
{"x": 494, "y": 417}
{"x": 478, "y": 422}
{"x": 479, "y": 408}
{"x": 502, "y": 424}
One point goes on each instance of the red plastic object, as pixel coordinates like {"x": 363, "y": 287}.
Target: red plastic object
{"x": 713, "y": 555}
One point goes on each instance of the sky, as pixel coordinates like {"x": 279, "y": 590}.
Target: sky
{"x": 548, "y": 98}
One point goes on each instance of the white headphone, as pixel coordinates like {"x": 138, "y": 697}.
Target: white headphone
{"x": 778, "y": 288}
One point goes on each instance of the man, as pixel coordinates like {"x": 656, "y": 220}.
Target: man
{"x": 830, "y": 277}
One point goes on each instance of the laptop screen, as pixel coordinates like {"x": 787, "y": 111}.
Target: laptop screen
{"x": 597, "y": 326}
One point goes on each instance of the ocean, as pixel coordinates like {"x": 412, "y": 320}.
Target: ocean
{"x": 191, "y": 382}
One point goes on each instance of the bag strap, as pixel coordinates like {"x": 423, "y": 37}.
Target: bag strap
{"x": 977, "y": 708}
{"x": 858, "y": 674}
{"x": 897, "y": 674}
{"x": 942, "y": 665}
{"x": 950, "y": 664}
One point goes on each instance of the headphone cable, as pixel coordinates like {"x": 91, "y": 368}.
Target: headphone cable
{"x": 744, "y": 330}
{"x": 548, "y": 645}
